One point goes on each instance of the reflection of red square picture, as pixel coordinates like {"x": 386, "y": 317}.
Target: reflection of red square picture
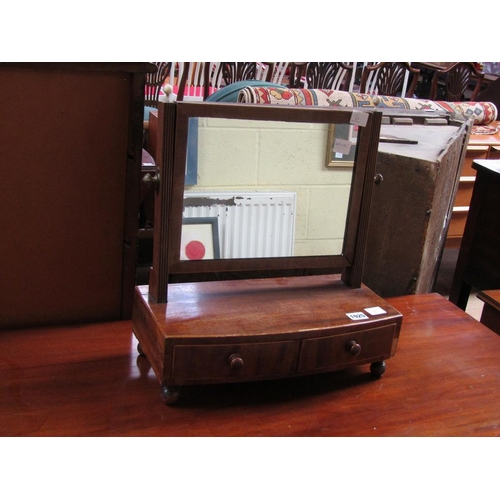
{"x": 199, "y": 238}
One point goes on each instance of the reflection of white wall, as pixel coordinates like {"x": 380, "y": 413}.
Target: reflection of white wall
{"x": 236, "y": 155}
{"x": 250, "y": 224}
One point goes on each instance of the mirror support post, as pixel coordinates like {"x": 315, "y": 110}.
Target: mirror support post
{"x": 158, "y": 282}
{"x": 353, "y": 275}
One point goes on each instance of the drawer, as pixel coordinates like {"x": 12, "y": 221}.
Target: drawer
{"x": 473, "y": 153}
{"x": 232, "y": 362}
{"x": 494, "y": 153}
{"x": 457, "y": 222}
{"x": 332, "y": 352}
{"x": 464, "y": 192}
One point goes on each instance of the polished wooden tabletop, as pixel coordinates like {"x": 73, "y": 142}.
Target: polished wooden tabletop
{"x": 87, "y": 380}
{"x": 486, "y": 139}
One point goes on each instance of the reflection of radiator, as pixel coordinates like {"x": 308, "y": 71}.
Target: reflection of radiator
{"x": 251, "y": 224}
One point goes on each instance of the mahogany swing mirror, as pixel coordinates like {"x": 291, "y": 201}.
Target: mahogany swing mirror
{"x": 261, "y": 216}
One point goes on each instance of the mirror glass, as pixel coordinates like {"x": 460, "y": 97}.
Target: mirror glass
{"x": 258, "y": 188}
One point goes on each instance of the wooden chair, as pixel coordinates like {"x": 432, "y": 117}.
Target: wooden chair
{"x": 491, "y": 93}
{"x": 190, "y": 80}
{"x": 155, "y": 81}
{"x": 389, "y": 78}
{"x": 320, "y": 75}
{"x": 181, "y": 76}
{"x": 457, "y": 79}
{"x": 221, "y": 74}
{"x": 273, "y": 72}
{"x": 196, "y": 81}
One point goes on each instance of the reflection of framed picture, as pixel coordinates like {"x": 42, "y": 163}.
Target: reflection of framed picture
{"x": 338, "y": 152}
{"x": 200, "y": 238}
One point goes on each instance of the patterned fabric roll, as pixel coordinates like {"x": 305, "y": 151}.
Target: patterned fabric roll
{"x": 481, "y": 113}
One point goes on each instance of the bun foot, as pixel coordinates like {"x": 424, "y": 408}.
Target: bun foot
{"x": 139, "y": 350}
{"x": 170, "y": 395}
{"x": 377, "y": 368}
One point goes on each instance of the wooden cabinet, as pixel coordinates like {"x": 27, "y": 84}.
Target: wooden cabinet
{"x": 480, "y": 147}
{"x": 478, "y": 263}
{"x": 70, "y": 146}
{"x": 248, "y": 330}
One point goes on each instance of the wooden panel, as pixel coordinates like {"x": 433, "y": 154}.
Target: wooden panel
{"x": 411, "y": 205}
{"x": 66, "y": 149}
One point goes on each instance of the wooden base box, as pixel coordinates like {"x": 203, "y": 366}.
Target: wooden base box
{"x": 249, "y": 330}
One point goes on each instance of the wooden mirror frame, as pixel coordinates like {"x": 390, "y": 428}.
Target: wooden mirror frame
{"x": 173, "y": 125}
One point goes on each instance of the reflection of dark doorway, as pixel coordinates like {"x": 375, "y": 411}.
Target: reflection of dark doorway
{"x": 144, "y": 261}
{"x": 146, "y": 215}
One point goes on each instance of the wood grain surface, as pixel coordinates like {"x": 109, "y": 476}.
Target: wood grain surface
{"x": 88, "y": 380}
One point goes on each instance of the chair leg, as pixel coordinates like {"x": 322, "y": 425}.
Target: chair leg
{"x": 460, "y": 295}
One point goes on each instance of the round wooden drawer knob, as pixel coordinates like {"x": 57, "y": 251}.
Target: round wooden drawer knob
{"x": 236, "y": 362}
{"x": 353, "y": 348}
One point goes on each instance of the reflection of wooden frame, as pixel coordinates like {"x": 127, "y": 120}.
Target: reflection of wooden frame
{"x": 202, "y": 233}
{"x": 343, "y": 132}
